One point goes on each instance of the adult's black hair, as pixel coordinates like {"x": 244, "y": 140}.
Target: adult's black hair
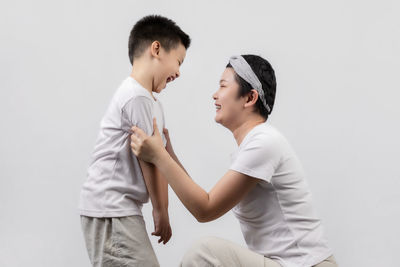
{"x": 155, "y": 28}
{"x": 266, "y": 74}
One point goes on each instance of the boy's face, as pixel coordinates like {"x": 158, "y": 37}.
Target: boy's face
{"x": 167, "y": 68}
{"x": 227, "y": 103}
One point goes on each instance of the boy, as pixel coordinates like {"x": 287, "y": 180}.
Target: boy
{"x": 118, "y": 183}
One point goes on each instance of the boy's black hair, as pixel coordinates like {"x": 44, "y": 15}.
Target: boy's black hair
{"x": 265, "y": 73}
{"x": 155, "y": 28}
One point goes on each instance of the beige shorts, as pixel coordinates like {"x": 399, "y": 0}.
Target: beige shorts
{"x": 217, "y": 252}
{"x": 123, "y": 241}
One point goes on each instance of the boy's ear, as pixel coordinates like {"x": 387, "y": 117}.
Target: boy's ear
{"x": 155, "y": 48}
{"x": 252, "y": 98}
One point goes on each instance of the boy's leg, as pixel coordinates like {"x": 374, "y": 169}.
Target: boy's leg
{"x": 213, "y": 251}
{"x": 95, "y": 231}
{"x": 118, "y": 242}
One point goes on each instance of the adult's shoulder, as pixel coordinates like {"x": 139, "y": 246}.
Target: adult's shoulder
{"x": 259, "y": 154}
{"x": 265, "y": 133}
{"x": 267, "y": 138}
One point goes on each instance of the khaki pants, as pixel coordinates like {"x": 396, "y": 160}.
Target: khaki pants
{"x": 114, "y": 242}
{"x": 217, "y": 252}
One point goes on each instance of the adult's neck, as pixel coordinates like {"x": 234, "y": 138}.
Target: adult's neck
{"x": 240, "y": 131}
{"x": 141, "y": 74}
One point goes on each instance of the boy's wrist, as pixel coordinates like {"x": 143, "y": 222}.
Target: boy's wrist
{"x": 160, "y": 208}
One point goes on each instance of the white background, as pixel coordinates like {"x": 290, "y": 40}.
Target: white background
{"x": 337, "y": 66}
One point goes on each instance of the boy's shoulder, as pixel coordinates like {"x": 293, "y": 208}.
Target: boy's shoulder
{"x": 130, "y": 90}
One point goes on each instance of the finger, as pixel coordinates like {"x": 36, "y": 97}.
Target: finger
{"x": 165, "y": 131}
{"x": 157, "y": 231}
{"x": 133, "y": 146}
{"x": 134, "y": 149}
{"x": 134, "y": 138}
{"x": 155, "y": 127}
{"x": 139, "y": 132}
{"x": 135, "y": 142}
{"x": 161, "y": 237}
{"x": 164, "y": 236}
{"x": 168, "y": 235}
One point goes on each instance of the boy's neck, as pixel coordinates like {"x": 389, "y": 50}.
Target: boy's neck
{"x": 142, "y": 76}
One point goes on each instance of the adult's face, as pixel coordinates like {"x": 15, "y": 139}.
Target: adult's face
{"x": 227, "y": 103}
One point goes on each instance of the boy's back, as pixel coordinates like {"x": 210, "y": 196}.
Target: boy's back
{"x": 115, "y": 185}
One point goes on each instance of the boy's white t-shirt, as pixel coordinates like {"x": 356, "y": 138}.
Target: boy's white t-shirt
{"x": 277, "y": 217}
{"x": 115, "y": 186}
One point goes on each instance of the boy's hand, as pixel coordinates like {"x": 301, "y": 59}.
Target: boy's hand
{"x": 161, "y": 225}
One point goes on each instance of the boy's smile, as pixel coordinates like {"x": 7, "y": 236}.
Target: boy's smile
{"x": 159, "y": 67}
{"x": 168, "y": 67}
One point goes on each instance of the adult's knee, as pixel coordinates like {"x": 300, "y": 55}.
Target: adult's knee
{"x": 200, "y": 253}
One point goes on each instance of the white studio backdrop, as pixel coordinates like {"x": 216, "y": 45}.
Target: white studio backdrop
{"x": 337, "y": 66}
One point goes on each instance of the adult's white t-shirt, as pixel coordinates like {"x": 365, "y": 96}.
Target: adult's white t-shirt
{"x": 277, "y": 217}
{"x": 115, "y": 186}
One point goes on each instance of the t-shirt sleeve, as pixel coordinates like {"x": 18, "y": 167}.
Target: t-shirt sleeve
{"x": 258, "y": 158}
{"x": 139, "y": 111}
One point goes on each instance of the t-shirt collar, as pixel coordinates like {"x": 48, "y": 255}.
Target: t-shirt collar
{"x": 143, "y": 90}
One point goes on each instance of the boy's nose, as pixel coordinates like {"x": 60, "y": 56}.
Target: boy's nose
{"x": 177, "y": 74}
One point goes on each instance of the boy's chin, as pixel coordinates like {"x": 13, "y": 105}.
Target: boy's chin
{"x": 158, "y": 90}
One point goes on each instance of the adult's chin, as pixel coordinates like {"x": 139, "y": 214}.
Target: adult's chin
{"x": 217, "y": 119}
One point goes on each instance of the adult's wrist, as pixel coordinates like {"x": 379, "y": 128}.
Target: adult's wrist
{"x": 160, "y": 156}
{"x": 171, "y": 152}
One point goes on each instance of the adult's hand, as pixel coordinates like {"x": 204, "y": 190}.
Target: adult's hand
{"x": 168, "y": 146}
{"x": 145, "y": 147}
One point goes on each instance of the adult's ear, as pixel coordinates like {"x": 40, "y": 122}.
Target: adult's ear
{"x": 155, "y": 48}
{"x": 252, "y": 98}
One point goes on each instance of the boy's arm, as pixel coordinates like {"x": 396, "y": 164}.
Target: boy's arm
{"x": 157, "y": 187}
{"x": 139, "y": 111}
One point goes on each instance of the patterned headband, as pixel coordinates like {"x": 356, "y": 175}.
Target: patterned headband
{"x": 243, "y": 69}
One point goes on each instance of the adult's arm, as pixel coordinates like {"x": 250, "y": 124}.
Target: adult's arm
{"x": 204, "y": 206}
